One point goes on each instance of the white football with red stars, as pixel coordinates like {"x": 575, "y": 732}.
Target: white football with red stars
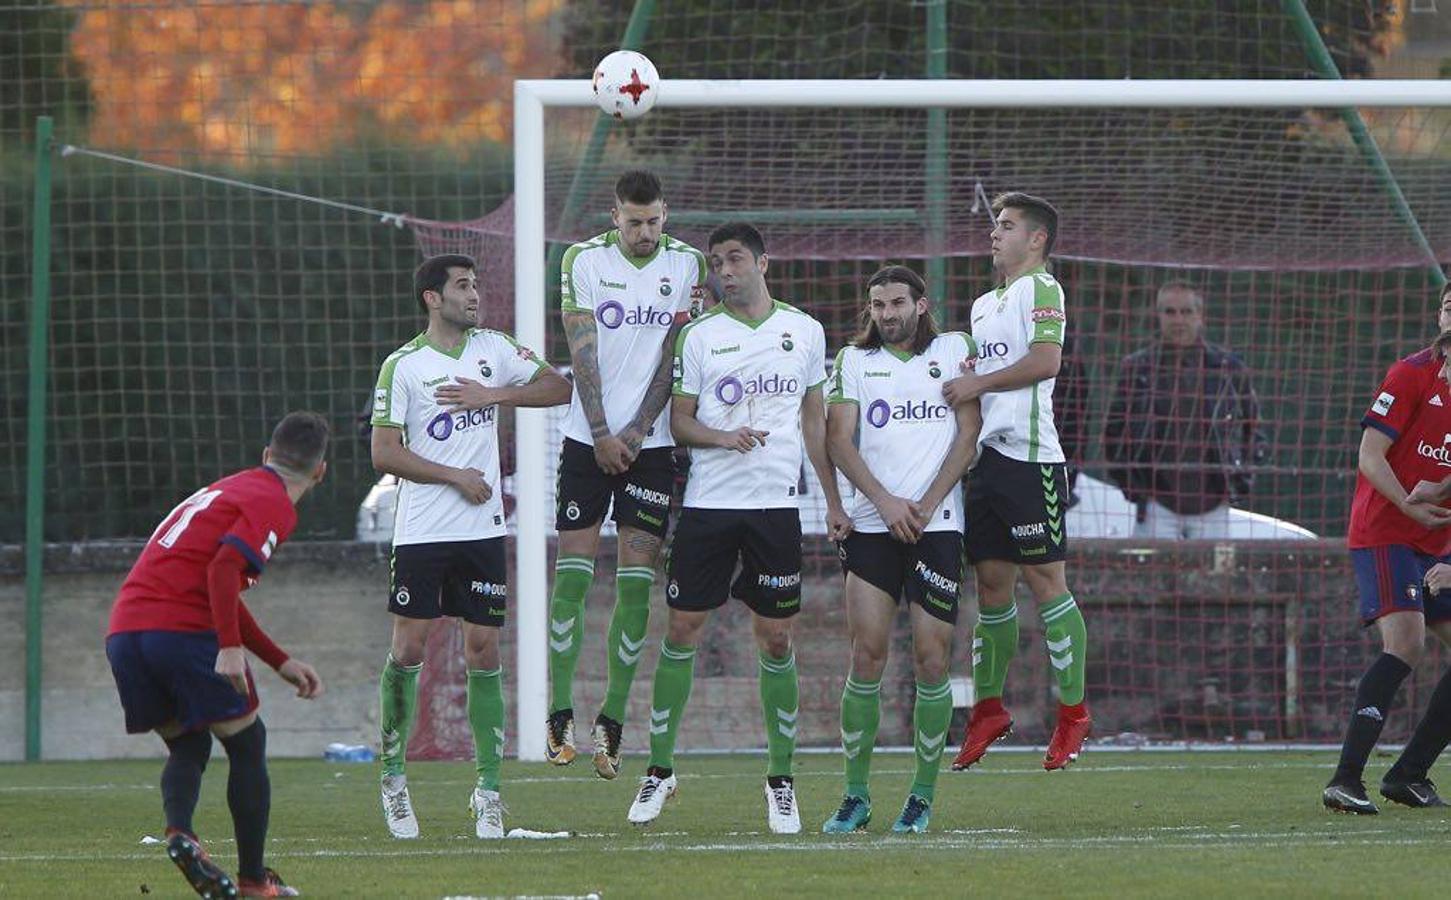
{"x": 626, "y": 84}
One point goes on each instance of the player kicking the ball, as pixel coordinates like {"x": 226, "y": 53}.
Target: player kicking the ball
{"x": 890, "y": 432}
{"x": 175, "y": 647}
{"x": 747, "y": 397}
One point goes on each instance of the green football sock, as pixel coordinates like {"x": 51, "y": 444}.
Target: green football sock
{"x": 994, "y": 643}
{"x": 486, "y": 721}
{"x": 1067, "y": 637}
{"x": 572, "y": 578}
{"x": 930, "y": 717}
{"x": 397, "y": 699}
{"x": 627, "y": 635}
{"x": 780, "y": 703}
{"x": 861, "y": 713}
{"x": 673, "y": 674}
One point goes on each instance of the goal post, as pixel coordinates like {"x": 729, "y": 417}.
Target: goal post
{"x": 532, "y": 97}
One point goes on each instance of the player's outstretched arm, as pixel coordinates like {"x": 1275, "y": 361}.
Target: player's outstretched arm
{"x": 610, "y": 452}
{"x": 656, "y": 395}
{"x": 391, "y": 457}
{"x": 1377, "y": 470}
{"x": 896, "y": 512}
{"x": 691, "y": 432}
{"x": 959, "y": 458}
{"x": 1042, "y": 362}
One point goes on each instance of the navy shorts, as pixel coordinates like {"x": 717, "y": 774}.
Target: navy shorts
{"x": 1392, "y": 578}
{"x": 170, "y": 676}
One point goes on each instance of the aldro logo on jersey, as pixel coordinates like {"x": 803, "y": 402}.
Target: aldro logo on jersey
{"x": 730, "y": 390}
{"x": 992, "y": 350}
{"x": 612, "y": 314}
{"x": 880, "y": 412}
{"x": 443, "y": 425}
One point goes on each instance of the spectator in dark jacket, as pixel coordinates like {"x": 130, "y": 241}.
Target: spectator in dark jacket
{"x": 1183, "y": 435}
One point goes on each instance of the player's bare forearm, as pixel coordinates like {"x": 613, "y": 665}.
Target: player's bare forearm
{"x": 959, "y": 457}
{"x": 391, "y": 457}
{"x": 813, "y": 434}
{"x": 657, "y": 394}
{"x": 549, "y": 388}
{"x": 580, "y": 330}
{"x": 1043, "y": 361}
{"x": 686, "y": 428}
{"x": 843, "y": 453}
{"x": 1377, "y": 469}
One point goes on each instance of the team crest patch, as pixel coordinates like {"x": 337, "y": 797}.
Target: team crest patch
{"x": 1382, "y": 405}
{"x": 786, "y": 341}
{"x": 665, "y": 289}
{"x": 934, "y": 370}
{"x": 571, "y": 512}
{"x": 401, "y": 598}
{"x": 697, "y": 300}
{"x": 1413, "y": 592}
{"x": 484, "y": 369}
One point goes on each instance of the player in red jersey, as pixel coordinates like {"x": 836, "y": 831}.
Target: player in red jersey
{"x": 176, "y": 640}
{"x": 1400, "y": 546}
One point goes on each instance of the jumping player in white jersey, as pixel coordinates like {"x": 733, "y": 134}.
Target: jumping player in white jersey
{"x": 435, "y": 426}
{"x": 748, "y": 396}
{"x": 905, "y": 450}
{"x": 1018, "y": 487}
{"x": 625, "y": 295}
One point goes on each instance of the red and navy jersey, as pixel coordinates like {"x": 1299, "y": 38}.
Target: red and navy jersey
{"x": 166, "y": 590}
{"x": 1413, "y": 409}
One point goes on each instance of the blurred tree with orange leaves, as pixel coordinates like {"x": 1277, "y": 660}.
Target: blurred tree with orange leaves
{"x": 251, "y": 81}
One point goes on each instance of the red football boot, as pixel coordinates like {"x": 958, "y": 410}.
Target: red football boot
{"x": 270, "y": 886}
{"x": 990, "y": 722}
{"x": 1074, "y": 724}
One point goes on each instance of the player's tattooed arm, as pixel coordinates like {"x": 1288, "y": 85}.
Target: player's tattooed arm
{"x": 611, "y": 453}
{"x": 656, "y": 395}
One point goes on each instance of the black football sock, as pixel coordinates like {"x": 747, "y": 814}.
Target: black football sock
{"x": 1433, "y": 732}
{"x": 181, "y": 777}
{"x": 249, "y": 796}
{"x": 1373, "y": 698}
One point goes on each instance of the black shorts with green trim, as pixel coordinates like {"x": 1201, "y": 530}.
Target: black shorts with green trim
{"x": 928, "y": 573}
{"x": 468, "y": 580}
{"x": 1014, "y": 510}
{"x": 640, "y": 497}
{"x": 709, "y": 543}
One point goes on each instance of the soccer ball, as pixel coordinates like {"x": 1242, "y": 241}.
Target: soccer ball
{"x": 626, "y": 84}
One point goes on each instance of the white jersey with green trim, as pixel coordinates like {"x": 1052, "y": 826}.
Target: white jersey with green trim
{"x": 634, "y": 302}
{"x": 433, "y": 513}
{"x": 1005, "y": 323}
{"x": 905, "y": 429}
{"x": 749, "y": 373}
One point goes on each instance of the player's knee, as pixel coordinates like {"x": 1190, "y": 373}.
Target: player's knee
{"x": 481, "y": 647}
{"x": 929, "y": 664}
{"x": 868, "y": 661}
{"x": 1406, "y": 648}
{"x": 249, "y": 743}
{"x": 774, "y": 642}
{"x": 410, "y": 640}
{"x": 194, "y": 747}
{"x": 684, "y": 631}
{"x": 1046, "y": 582}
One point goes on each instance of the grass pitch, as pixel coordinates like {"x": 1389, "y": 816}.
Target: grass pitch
{"x": 1141, "y": 824}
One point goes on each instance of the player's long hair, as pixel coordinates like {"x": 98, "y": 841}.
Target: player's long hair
{"x": 869, "y": 337}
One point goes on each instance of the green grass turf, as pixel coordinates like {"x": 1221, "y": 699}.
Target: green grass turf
{"x": 1144, "y": 824}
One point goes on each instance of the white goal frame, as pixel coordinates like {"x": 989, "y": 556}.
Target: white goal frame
{"x": 531, "y": 97}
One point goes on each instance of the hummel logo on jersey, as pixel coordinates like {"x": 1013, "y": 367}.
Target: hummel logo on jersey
{"x": 1370, "y": 712}
{"x": 619, "y": 286}
{"x": 722, "y": 351}
{"x": 1382, "y": 405}
{"x": 1436, "y": 400}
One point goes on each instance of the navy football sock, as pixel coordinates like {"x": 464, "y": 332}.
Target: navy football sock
{"x": 249, "y": 796}
{"x": 1373, "y": 698}
{"x": 181, "y": 777}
